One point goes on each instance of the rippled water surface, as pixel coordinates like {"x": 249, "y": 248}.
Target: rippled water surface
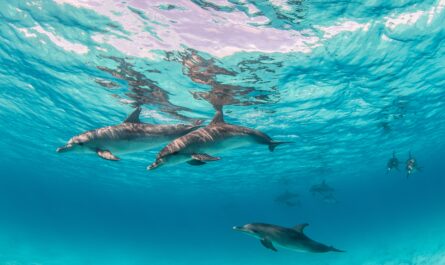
{"x": 349, "y": 83}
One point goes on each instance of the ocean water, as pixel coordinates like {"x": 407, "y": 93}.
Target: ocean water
{"x": 347, "y": 82}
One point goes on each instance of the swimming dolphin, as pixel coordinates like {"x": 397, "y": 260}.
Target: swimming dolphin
{"x": 411, "y": 165}
{"x": 393, "y": 162}
{"x": 287, "y": 198}
{"x": 218, "y": 136}
{"x": 322, "y": 189}
{"x": 290, "y": 238}
{"x": 130, "y": 136}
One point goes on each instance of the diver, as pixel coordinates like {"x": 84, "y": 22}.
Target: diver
{"x": 393, "y": 162}
{"x": 411, "y": 165}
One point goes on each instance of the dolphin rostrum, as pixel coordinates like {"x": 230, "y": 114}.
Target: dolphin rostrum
{"x": 195, "y": 147}
{"x": 130, "y": 136}
{"x": 290, "y": 238}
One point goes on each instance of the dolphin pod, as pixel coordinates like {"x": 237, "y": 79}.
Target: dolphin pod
{"x": 294, "y": 238}
{"x": 195, "y": 147}
{"x": 194, "y": 144}
{"x": 130, "y": 136}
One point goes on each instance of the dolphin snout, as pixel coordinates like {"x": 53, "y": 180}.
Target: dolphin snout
{"x": 64, "y": 148}
{"x": 237, "y": 228}
{"x": 153, "y": 166}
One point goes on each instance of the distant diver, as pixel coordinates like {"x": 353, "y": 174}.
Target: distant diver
{"x": 130, "y": 136}
{"x": 294, "y": 238}
{"x": 393, "y": 163}
{"x": 288, "y": 198}
{"x": 196, "y": 147}
{"x": 411, "y": 165}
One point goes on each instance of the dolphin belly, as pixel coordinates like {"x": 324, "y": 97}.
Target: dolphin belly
{"x": 121, "y": 146}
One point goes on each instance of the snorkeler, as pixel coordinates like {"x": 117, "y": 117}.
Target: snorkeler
{"x": 393, "y": 162}
{"x": 411, "y": 165}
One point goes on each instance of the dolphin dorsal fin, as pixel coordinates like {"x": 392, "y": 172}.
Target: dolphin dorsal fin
{"x": 134, "y": 116}
{"x": 300, "y": 228}
{"x": 219, "y": 116}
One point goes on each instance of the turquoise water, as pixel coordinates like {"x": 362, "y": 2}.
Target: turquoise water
{"x": 349, "y": 83}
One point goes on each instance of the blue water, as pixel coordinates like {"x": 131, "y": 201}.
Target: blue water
{"x": 349, "y": 83}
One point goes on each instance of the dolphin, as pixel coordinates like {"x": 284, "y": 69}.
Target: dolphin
{"x": 130, "y": 136}
{"x": 218, "y": 136}
{"x": 393, "y": 162}
{"x": 322, "y": 189}
{"x": 290, "y": 238}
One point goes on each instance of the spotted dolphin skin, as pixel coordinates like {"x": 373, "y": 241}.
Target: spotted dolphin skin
{"x": 195, "y": 147}
{"x": 294, "y": 238}
{"x": 130, "y": 136}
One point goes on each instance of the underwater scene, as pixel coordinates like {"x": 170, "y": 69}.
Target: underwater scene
{"x": 216, "y": 132}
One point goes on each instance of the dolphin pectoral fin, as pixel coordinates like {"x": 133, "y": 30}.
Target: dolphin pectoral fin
{"x": 268, "y": 244}
{"x": 300, "y": 228}
{"x": 107, "y": 155}
{"x": 194, "y": 162}
{"x": 204, "y": 157}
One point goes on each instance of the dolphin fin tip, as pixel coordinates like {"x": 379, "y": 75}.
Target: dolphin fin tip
{"x": 337, "y": 250}
{"x": 274, "y": 144}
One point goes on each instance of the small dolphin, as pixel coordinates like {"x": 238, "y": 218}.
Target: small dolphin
{"x": 287, "y": 198}
{"x": 322, "y": 189}
{"x": 393, "y": 162}
{"x": 290, "y": 238}
{"x": 411, "y": 165}
{"x": 216, "y": 137}
{"x": 130, "y": 136}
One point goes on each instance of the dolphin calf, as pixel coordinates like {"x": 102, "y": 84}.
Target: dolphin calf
{"x": 195, "y": 147}
{"x": 130, "y": 136}
{"x": 393, "y": 162}
{"x": 290, "y": 238}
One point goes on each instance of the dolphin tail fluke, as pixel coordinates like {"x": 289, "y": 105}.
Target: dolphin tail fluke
{"x": 273, "y": 145}
{"x": 336, "y": 250}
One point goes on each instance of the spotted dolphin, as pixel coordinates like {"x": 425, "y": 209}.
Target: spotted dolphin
{"x": 322, "y": 189}
{"x": 195, "y": 147}
{"x": 130, "y": 136}
{"x": 294, "y": 238}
